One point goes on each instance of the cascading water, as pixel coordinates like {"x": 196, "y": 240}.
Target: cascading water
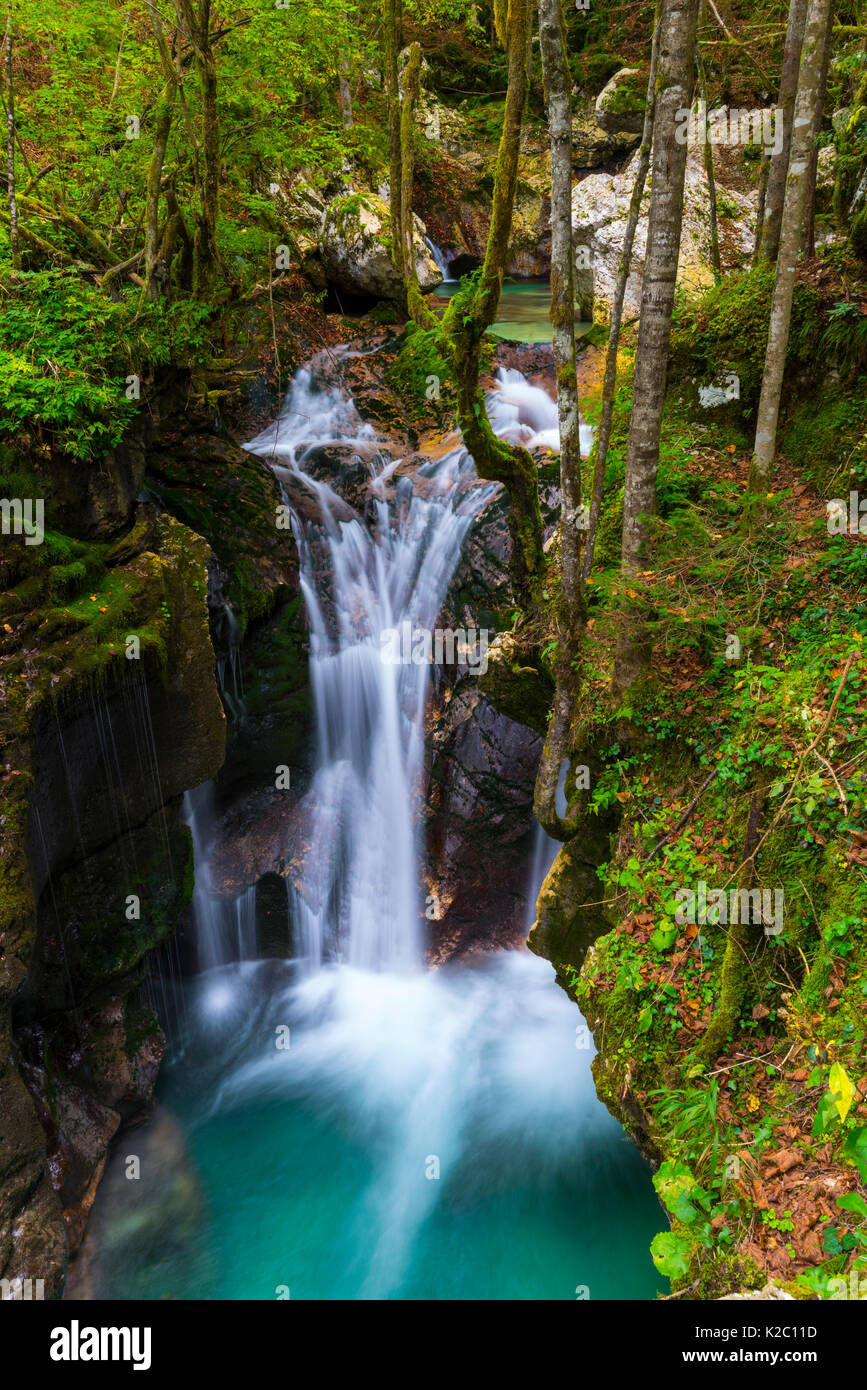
{"x": 361, "y": 891}
{"x": 440, "y": 261}
{"x": 390, "y": 1132}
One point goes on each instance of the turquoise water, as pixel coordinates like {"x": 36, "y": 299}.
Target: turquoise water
{"x": 523, "y": 312}
{"x": 312, "y": 1163}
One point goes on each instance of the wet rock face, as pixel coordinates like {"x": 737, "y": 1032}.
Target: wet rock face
{"x": 166, "y": 1213}
{"x": 94, "y": 869}
{"x": 95, "y": 502}
{"x": 479, "y": 824}
{"x": 565, "y": 928}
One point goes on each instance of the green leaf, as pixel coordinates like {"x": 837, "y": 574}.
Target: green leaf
{"x": 645, "y": 1019}
{"x": 853, "y": 1201}
{"x": 670, "y": 1254}
{"x": 675, "y": 1184}
{"x": 826, "y": 1115}
{"x": 841, "y": 1089}
{"x": 662, "y": 940}
{"x": 855, "y": 1149}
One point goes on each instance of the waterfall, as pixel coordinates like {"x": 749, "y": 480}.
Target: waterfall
{"x": 526, "y": 414}
{"x": 442, "y": 264}
{"x": 365, "y": 1128}
{"x": 360, "y": 896}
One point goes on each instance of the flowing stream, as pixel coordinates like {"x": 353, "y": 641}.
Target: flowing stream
{"x": 359, "y": 1126}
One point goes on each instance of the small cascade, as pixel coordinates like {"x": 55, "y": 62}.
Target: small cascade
{"x": 225, "y": 926}
{"x": 545, "y": 851}
{"x": 360, "y": 897}
{"x": 526, "y": 414}
{"x": 230, "y": 671}
{"x": 442, "y": 264}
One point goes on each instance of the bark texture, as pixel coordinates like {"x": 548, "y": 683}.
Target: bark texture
{"x": 558, "y": 88}
{"x": 792, "y": 237}
{"x": 769, "y": 241}
{"x": 603, "y": 438}
{"x": 674, "y": 86}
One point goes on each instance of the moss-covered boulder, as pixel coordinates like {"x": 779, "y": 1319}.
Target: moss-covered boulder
{"x": 621, "y": 104}
{"x": 356, "y": 251}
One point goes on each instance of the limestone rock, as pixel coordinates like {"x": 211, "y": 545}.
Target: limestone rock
{"x": 620, "y": 106}
{"x": 356, "y": 250}
{"x": 600, "y": 206}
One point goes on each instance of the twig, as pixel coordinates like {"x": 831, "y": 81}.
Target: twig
{"x": 686, "y": 815}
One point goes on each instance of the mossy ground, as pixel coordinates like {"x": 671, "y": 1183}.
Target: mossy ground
{"x": 759, "y": 677}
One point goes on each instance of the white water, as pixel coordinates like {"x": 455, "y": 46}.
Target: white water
{"x": 526, "y": 414}
{"x": 440, "y": 262}
{"x": 473, "y": 1067}
{"x": 360, "y": 895}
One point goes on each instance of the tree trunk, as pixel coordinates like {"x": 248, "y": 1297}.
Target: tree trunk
{"x": 764, "y": 174}
{"x": 389, "y": 29}
{"x": 557, "y": 82}
{"x": 10, "y": 142}
{"x": 674, "y": 94}
{"x": 156, "y": 271}
{"x": 558, "y": 89}
{"x": 466, "y": 325}
{"x": 345, "y": 101}
{"x": 817, "y": 131}
{"x": 411, "y": 88}
{"x": 603, "y": 438}
{"x": 709, "y": 171}
{"x": 769, "y": 240}
{"x": 196, "y": 23}
{"x": 791, "y": 246}
{"x": 461, "y": 331}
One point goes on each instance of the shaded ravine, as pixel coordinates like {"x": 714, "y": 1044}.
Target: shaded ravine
{"x": 360, "y": 1127}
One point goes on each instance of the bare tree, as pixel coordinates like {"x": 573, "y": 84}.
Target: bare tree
{"x": 792, "y": 237}
{"x": 603, "y": 438}
{"x": 674, "y": 87}
{"x": 10, "y": 141}
{"x": 768, "y": 231}
{"x": 558, "y": 96}
{"x": 817, "y": 131}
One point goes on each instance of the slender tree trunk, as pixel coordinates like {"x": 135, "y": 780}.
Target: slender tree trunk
{"x": 389, "y": 28}
{"x": 155, "y": 270}
{"x": 791, "y": 246}
{"x": 709, "y": 169}
{"x": 764, "y": 173}
{"x": 460, "y": 333}
{"x": 817, "y": 131}
{"x": 558, "y": 91}
{"x": 411, "y": 88}
{"x": 195, "y": 20}
{"x": 603, "y": 437}
{"x": 674, "y": 94}
{"x": 10, "y": 142}
{"x": 769, "y": 238}
{"x": 345, "y": 99}
{"x": 495, "y": 460}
